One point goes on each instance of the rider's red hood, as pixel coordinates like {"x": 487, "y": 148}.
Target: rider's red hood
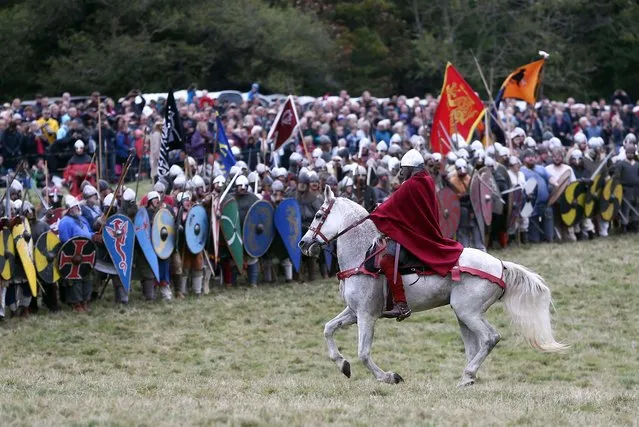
{"x": 410, "y": 216}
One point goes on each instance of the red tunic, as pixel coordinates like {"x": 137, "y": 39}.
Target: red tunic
{"x": 410, "y": 216}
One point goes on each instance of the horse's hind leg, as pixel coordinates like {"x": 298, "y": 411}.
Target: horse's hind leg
{"x": 470, "y": 341}
{"x": 366, "y": 330}
{"x": 470, "y": 303}
{"x": 345, "y": 318}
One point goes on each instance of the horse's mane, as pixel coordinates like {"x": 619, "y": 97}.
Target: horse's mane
{"x": 360, "y": 212}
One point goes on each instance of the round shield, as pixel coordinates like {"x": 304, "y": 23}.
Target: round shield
{"x": 572, "y": 202}
{"x": 611, "y": 199}
{"x": 449, "y": 212}
{"x": 163, "y": 233}
{"x": 46, "y": 249}
{"x": 76, "y": 258}
{"x": 559, "y": 189}
{"x": 593, "y": 195}
{"x": 486, "y": 194}
{"x": 258, "y": 230}
{"x": 7, "y": 254}
{"x": 196, "y": 229}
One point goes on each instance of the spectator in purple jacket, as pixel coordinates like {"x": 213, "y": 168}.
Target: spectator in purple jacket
{"x": 200, "y": 140}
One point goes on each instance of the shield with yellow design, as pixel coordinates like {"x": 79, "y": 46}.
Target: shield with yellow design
{"x": 7, "y": 254}
{"x": 572, "y": 202}
{"x": 611, "y": 199}
{"x": 44, "y": 254}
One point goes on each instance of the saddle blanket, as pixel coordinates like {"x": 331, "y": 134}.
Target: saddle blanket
{"x": 481, "y": 264}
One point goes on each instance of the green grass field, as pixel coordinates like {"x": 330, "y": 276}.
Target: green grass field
{"x": 257, "y": 357}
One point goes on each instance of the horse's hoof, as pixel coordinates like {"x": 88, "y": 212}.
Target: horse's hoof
{"x": 397, "y": 379}
{"x": 466, "y": 382}
{"x": 346, "y": 369}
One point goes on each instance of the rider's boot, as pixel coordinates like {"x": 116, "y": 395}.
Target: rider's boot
{"x": 400, "y": 309}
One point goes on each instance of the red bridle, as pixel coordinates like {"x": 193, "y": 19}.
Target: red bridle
{"x": 325, "y": 212}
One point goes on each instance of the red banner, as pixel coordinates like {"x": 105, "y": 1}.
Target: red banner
{"x": 284, "y": 124}
{"x": 459, "y": 111}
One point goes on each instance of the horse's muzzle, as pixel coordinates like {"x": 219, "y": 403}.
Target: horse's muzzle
{"x": 310, "y": 247}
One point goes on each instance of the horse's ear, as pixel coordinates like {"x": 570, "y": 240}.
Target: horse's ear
{"x": 328, "y": 193}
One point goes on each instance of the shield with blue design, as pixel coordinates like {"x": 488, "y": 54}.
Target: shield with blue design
{"x": 143, "y": 236}
{"x": 163, "y": 233}
{"x": 119, "y": 239}
{"x": 288, "y": 223}
{"x": 258, "y": 230}
{"x": 196, "y": 229}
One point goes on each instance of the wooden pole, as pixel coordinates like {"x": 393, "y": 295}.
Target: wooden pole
{"x": 492, "y": 101}
{"x": 99, "y": 141}
{"x": 125, "y": 170}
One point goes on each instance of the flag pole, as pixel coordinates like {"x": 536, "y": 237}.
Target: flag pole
{"x": 99, "y": 140}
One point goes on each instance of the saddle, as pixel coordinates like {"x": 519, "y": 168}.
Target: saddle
{"x": 408, "y": 263}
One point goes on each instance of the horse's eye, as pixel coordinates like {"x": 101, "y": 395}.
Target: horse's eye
{"x": 318, "y": 215}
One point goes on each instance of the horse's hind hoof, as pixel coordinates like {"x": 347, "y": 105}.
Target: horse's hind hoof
{"x": 346, "y": 369}
{"x": 397, "y": 379}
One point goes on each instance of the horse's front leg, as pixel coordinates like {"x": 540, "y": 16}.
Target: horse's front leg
{"x": 345, "y": 318}
{"x": 366, "y": 329}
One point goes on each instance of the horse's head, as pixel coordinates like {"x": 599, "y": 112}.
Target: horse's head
{"x": 324, "y": 227}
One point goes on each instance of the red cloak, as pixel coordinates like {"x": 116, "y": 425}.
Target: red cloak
{"x": 410, "y": 216}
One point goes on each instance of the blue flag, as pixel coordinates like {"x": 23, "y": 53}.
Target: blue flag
{"x": 227, "y": 159}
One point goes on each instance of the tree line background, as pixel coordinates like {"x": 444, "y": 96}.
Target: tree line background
{"x": 314, "y": 46}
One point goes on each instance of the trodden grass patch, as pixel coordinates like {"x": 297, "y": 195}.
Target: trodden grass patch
{"x": 249, "y": 356}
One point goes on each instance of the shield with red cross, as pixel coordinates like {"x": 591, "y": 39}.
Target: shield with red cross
{"x": 76, "y": 258}
{"x": 119, "y": 239}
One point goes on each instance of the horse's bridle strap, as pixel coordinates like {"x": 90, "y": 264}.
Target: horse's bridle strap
{"x": 317, "y": 231}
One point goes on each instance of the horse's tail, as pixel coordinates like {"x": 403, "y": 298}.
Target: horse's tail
{"x": 527, "y": 300}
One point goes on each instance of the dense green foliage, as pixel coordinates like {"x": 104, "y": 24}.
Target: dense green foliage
{"x": 313, "y": 46}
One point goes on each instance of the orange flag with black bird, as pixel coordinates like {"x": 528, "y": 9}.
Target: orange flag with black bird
{"x": 524, "y": 82}
{"x": 459, "y": 111}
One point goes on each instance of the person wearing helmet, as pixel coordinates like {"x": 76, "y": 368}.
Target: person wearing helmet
{"x": 153, "y": 203}
{"x": 184, "y": 264}
{"x": 219, "y": 184}
{"x": 73, "y": 224}
{"x": 267, "y": 183}
{"x": 91, "y": 208}
{"x": 627, "y": 174}
{"x": 468, "y": 233}
{"x": 15, "y": 190}
{"x": 199, "y": 188}
{"x": 78, "y": 169}
{"x": 584, "y": 229}
{"x": 245, "y": 200}
{"x": 541, "y": 219}
{"x": 39, "y": 228}
{"x": 501, "y": 183}
{"x": 410, "y": 219}
{"x": 277, "y": 253}
{"x": 364, "y": 192}
{"x": 382, "y": 187}
{"x": 310, "y": 201}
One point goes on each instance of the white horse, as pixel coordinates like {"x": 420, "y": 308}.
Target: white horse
{"x": 526, "y": 297}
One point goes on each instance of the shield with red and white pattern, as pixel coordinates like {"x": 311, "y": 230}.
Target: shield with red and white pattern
{"x": 119, "y": 239}
{"x": 76, "y": 258}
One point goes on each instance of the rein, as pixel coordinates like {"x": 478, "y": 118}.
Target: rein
{"x": 325, "y": 212}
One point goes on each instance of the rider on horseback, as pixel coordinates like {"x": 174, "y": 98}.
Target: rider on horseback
{"x": 410, "y": 218}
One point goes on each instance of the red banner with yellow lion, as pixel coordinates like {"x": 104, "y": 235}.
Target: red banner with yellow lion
{"x": 459, "y": 111}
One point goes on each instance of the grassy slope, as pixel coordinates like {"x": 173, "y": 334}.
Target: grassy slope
{"x": 257, "y": 356}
